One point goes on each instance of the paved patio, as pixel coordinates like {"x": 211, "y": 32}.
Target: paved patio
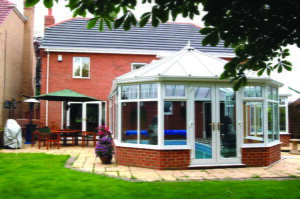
{"x": 83, "y": 159}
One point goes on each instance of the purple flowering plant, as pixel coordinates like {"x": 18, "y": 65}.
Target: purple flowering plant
{"x": 105, "y": 145}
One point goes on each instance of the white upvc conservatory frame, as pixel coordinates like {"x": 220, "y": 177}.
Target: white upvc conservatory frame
{"x": 286, "y": 107}
{"x": 189, "y": 83}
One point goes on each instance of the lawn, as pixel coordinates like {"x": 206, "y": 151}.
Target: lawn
{"x": 44, "y": 176}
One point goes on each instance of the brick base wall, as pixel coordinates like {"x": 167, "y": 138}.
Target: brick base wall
{"x": 153, "y": 158}
{"x": 260, "y": 156}
{"x": 285, "y": 139}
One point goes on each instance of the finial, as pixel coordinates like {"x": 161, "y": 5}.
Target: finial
{"x": 188, "y": 46}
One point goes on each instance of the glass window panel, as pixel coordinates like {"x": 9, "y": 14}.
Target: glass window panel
{"x": 203, "y": 130}
{"x": 129, "y": 122}
{"x": 92, "y": 117}
{"x": 270, "y": 122}
{"x": 129, "y": 92}
{"x": 136, "y": 66}
{"x": 282, "y": 113}
{"x": 275, "y": 93}
{"x": 148, "y": 91}
{"x": 282, "y": 100}
{"x": 76, "y": 67}
{"x": 273, "y": 123}
{"x": 75, "y": 116}
{"x": 148, "y": 120}
{"x": 253, "y": 122}
{"x": 203, "y": 93}
{"x": 175, "y": 124}
{"x": 227, "y": 123}
{"x": 85, "y": 67}
{"x": 174, "y": 90}
{"x": 269, "y": 93}
{"x": 276, "y": 122}
{"x": 253, "y": 91}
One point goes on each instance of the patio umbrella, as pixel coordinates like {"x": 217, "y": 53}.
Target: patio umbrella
{"x": 65, "y": 96}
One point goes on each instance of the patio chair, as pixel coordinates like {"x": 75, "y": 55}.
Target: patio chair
{"x": 88, "y": 136}
{"x": 54, "y": 138}
{"x": 43, "y": 135}
{"x": 34, "y": 137}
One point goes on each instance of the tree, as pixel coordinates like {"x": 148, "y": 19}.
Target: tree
{"x": 257, "y": 30}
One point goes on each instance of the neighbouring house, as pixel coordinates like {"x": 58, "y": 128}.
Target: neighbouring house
{"x": 17, "y": 60}
{"x": 294, "y": 116}
{"x": 167, "y": 108}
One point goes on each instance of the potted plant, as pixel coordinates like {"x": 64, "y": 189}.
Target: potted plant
{"x": 104, "y": 148}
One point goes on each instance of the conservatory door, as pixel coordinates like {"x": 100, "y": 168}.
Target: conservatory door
{"x": 215, "y": 138}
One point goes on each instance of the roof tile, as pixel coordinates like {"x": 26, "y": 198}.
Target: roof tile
{"x": 166, "y": 37}
{"x": 5, "y": 8}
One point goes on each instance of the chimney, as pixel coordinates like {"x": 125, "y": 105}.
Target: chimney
{"x": 28, "y": 67}
{"x": 49, "y": 19}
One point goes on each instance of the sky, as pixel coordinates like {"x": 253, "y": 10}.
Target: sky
{"x": 61, "y": 13}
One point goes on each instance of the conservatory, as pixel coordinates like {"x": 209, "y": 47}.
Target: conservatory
{"x": 176, "y": 113}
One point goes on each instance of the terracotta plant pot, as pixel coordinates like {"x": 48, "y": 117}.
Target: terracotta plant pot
{"x": 106, "y": 159}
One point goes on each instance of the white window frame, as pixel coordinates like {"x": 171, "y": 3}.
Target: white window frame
{"x": 73, "y": 70}
{"x": 134, "y": 65}
{"x": 273, "y": 102}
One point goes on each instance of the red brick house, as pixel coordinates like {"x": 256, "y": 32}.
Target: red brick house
{"x": 87, "y": 61}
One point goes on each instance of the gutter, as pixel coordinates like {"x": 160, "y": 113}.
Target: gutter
{"x": 15, "y": 9}
{"x": 4, "y": 73}
{"x": 216, "y": 79}
{"x": 47, "y": 86}
{"x": 159, "y": 54}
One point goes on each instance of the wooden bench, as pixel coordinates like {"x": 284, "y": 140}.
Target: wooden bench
{"x": 295, "y": 143}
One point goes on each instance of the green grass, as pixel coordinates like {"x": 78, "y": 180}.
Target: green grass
{"x": 44, "y": 176}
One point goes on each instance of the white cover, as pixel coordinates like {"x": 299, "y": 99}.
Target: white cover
{"x": 12, "y": 134}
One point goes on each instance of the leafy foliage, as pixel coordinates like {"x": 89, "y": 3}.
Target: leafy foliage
{"x": 257, "y": 30}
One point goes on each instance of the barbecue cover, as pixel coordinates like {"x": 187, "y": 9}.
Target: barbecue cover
{"x": 12, "y": 135}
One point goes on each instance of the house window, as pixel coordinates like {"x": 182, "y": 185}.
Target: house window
{"x": 135, "y": 66}
{"x": 81, "y": 67}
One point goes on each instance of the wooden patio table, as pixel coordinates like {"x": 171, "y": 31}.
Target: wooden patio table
{"x": 64, "y": 132}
